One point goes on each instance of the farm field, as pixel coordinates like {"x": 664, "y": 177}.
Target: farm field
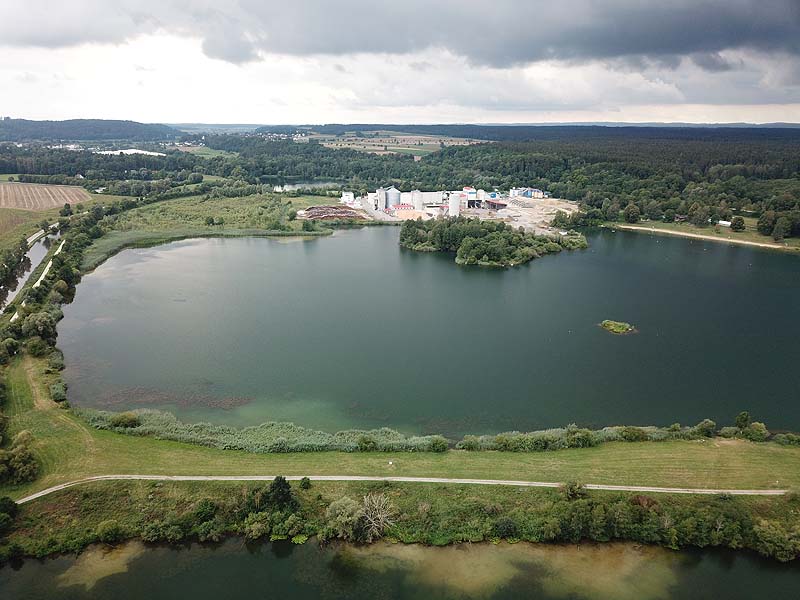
{"x": 34, "y": 196}
{"x": 392, "y": 142}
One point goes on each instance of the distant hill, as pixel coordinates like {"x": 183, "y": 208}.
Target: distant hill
{"x": 524, "y": 133}
{"x": 20, "y": 130}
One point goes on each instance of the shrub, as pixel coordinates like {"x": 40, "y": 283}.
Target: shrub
{"x": 109, "y": 532}
{"x": 58, "y": 391}
{"x": 305, "y": 483}
{"x": 572, "y": 490}
{"x": 36, "y": 346}
{"x": 705, "y": 428}
{"x": 342, "y": 519}
{"x": 125, "y": 420}
{"x": 256, "y": 525}
{"x": 437, "y": 444}
{"x": 505, "y": 527}
{"x": 756, "y": 432}
{"x": 8, "y": 506}
{"x": 366, "y": 444}
{"x": 378, "y": 515}
{"x": 633, "y": 434}
{"x": 56, "y": 360}
{"x": 787, "y": 439}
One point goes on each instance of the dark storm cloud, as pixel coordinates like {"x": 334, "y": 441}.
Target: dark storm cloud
{"x": 500, "y": 33}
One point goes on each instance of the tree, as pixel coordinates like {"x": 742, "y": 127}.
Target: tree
{"x": 342, "y": 519}
{"x": 743, "y": 420}
{"x": 280, "y": 494}
{"x": 783, "y": 228}
{"x": 737, "y": 223}
{"x": 766, "y": 222}
{"x": 41, "y": 324}
{"x": 631, "y": 213}
{"x": 378, "y": 515}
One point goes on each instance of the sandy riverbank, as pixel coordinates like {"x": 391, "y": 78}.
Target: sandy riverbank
{"x": 700, "y": 236}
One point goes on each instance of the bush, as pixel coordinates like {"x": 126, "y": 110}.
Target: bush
{"x": 305, "y": 483}
{"x": 756, "y": 432}
{"x": 572, "y": 490}
{"x": 367, "y": 444}
{"x": 505, "y": 527}
{"x": 58, "y": 391}
{"x": 109, "y": 532}
{"x": 437, "y": 444}
{"x": 705, "y": 428}
{"x": 55, "y": 360}
{"x": 125, "y": 420}
{"x": 342, "y": 519}
{"x": 36, "y": 346}
{"x": 633, "y": 434}
{"x": 8, "y": 506}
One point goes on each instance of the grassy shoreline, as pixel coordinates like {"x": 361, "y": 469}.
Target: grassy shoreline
{"x": 683, "y": 230}
{"x": 69, "y": 449}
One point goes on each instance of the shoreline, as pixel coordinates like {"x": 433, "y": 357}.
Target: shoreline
{"x": 699, "y": 236}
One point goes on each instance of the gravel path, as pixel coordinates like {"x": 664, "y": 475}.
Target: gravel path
{"x": 506, "y": 482}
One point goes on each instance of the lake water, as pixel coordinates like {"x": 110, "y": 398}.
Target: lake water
{"x": 353, "y": 331}
{"x": 232, "y": 570}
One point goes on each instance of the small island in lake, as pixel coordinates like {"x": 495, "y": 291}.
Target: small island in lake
{"x": 618, "y": 327}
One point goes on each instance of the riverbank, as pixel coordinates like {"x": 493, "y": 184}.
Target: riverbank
{"x": 680, "y": 230}
{"x": 429, "y": 514}
{"x": 69, "y": 449}
{"x": 115, "y": 242}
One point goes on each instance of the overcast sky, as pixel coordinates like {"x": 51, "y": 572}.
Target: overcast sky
{"x": 401, "y": 61}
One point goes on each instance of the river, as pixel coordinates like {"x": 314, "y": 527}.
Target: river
{"x": 33, "y": 258}
{"x": 232, "y": 570}
{"x": 353, "y": 331}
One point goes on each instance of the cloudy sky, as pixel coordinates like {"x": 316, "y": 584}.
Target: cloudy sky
{"x": 401, "y": 61}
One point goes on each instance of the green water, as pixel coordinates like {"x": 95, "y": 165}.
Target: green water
{"x": 233, "y": 570}
{"x": 353, "y": 331}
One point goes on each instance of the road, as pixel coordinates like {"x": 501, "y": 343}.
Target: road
{"x": 506, "y": 482}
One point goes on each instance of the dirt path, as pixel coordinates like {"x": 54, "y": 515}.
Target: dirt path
{"x": 700, "y": 236}
{"x": 505, "y": 482}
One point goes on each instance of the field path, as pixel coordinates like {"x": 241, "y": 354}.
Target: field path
{"x": 505, "y": 482}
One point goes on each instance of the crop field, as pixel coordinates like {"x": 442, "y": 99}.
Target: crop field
{"x": 33, "y": 196}
{"x": 392, "y": 142}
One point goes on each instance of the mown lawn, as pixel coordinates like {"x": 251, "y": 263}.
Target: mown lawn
{"x": 69, "y": 450}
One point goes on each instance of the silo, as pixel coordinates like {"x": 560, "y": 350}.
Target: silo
{"x": 416, "y": 200}
{"x": 392, "y": 196}
{"x": 381, "y": 198}
{"x": 454, "y": 205}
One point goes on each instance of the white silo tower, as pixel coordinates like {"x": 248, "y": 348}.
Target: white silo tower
{"x": 454, "y": 205}
{"x": 416, "y": 200}
{"x": 392, "y": 196}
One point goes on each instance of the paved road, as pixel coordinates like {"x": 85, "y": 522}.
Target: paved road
{"x": 507, "y": 482}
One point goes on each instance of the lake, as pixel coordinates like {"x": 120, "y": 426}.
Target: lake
{"x": 353, "y": 331}
{"x": 233, "y": 570}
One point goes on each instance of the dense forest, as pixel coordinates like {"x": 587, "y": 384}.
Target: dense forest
{"x": 692, "y": 174}
{"x": 21, "y": 130}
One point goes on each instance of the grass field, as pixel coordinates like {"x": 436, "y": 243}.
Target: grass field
{"x": 34, "y": 196}
{"x": 206, "y": 152}
{"x": 389, "y": 142}
{"x": 68, "y": 449}
{"x": 717, "y": 233}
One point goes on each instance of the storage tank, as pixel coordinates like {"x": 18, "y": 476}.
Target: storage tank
{"x": 416, "y": 200}
{"x": 381, "y": 198}
{"x": 454, "y": 205}
{"x": 392, "y": 196}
